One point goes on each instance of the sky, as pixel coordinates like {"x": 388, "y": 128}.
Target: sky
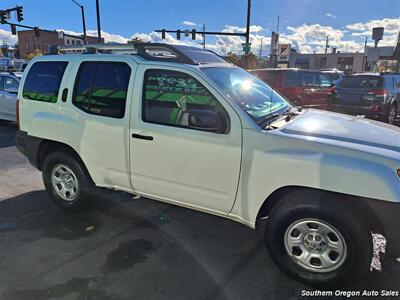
{"x": 303, "y": 23}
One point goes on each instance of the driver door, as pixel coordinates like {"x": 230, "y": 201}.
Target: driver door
{"x": 178, "y": 154}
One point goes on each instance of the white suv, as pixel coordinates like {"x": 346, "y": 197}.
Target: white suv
{"x": 181, "y": 125}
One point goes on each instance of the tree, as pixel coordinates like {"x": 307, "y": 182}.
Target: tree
{"x": 33, "y": 54}
{"x": 233, "y": 58}
{"x": 135, "y": 40}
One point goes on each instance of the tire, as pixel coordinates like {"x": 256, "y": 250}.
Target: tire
{"x": 336, "y": 219}
{"x": 392, "y": 114}
{"x": 68, "y": 173}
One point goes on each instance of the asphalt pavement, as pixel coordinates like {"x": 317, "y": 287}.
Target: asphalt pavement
{"x": 131, "y": 249}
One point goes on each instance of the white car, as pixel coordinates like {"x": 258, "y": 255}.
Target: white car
{"x": 181, "y": 125}
{"x": 9, "y": 84}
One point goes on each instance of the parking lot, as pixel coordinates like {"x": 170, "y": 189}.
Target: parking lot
{"x": 126, "y": 248}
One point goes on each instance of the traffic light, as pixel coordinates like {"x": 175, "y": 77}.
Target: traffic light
{"x": 163, "y": 34}
{"x": 3, "y": 17}
{"x": 178, "y": 34}
{"x": 193, "y": 34}
{"x": 14, "y": 29}
{"x": 37, "y": 32}
{"x": 20, "y": 14}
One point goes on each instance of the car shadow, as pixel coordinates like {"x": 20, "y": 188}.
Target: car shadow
{"x": 124, "y": 247}
{"x": 7, "y": 134}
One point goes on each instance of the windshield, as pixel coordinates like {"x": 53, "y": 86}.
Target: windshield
{"x": 253, "y": 95}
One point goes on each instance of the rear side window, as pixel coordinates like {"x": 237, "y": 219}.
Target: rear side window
{"x": 43, "y": 81}
{"x": 101, "y": 88}
{"x": 293, "y": 78}
{"x": 366, "y": 82}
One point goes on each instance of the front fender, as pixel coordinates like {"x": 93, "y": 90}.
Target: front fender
{"x": 280, "y": 162}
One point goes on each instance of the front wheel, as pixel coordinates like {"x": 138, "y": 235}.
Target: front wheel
{"x": 66, "y": 181}
{"x": 319, "y": 241}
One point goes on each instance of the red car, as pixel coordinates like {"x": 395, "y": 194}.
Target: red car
{"x": 306, "y": 88}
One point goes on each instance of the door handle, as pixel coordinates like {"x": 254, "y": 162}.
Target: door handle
{"x": 64, "y": 95}
{"x": 142, "y": 137}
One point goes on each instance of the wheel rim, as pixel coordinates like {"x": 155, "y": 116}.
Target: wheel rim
{"x": 315, "y": 245}
{"x": 392, "y": 115}
{"x": 64, "y": 182}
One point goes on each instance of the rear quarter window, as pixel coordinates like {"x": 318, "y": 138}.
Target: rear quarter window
{"x": 43, "y": 81}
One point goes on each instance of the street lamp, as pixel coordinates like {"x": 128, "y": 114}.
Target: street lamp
{"x": 83, "y": 20}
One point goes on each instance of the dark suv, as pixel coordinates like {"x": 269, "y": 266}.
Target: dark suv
{"x": 374, "y": 95}
{"x": 307, "y": 88}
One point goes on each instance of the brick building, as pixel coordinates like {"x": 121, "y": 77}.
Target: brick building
{"x": 28, "y": 42}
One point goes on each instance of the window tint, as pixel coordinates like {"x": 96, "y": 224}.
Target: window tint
{"x": 101, "y": 88}
{"x": 325, "y": 80}
{"x": 43, "y": 81}
{"x": 293, "y": 78}
{"x": 366, "y": 82}
{"x": 169, "y": 96}
{"x": 332, "y": 75}
{"x": 310, "y": 78}
{"x": 269, "y": 77}
{"x": 10, "y": 84}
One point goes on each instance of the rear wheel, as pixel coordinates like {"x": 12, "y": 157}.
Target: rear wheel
{"x": 318, "y": 240}
{"x": 66, "y": 181}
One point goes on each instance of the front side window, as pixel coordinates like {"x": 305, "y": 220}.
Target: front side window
{"x": 177, "y": 99}
{"x": 325, "y": 80}
{"x": 101, "y": 88}
{"x": 43, "y": 81}
{"x": 311, "y": 78}
{"x": 254, "y": 96}
{"x": 10, "y": 84}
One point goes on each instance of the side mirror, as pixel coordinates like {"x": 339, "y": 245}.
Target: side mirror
{"x": 206, "y": 120}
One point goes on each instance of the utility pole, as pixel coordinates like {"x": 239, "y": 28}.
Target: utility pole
{"x": 98, "y": 22}
{"x": 261, "y": 45}
{"x": 327, "y": 44}
{"x": 365, "y": 53}
{"x": 83, "y": 20}
{"x": 277, "y": 26}
{"x": 204, "y": 37}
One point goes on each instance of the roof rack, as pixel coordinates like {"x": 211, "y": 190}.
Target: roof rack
{"x": 151, "y": 51}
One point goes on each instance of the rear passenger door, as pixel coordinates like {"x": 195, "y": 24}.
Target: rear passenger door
{"x": 96, "y": 117}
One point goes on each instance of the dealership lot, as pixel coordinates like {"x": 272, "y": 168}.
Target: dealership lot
{"x": 130, "y": 248}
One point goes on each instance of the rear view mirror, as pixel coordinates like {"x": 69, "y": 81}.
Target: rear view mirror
{"x": 206, "y": 120}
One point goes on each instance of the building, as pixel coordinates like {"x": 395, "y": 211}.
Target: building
{"x": 29, "y": 41}
{"x": 347, "y": 62}
{"x": 380, "y": 58}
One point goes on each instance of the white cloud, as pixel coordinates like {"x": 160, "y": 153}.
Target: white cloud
{"x": 189, "y": 23}
{"x": 7, "y": 37}
{"x": 390, "y": 25}
{"x": 330, "y": 15}
{"x": 108, "y": 37}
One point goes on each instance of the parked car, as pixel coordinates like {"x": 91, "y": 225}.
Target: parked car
{"x": 185, "y": 127}
{"x": 334, "y": 74}
{"x": 305, "y": 88}
{"x": 9, "y": 84}
{"x": 372, "y": 94}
